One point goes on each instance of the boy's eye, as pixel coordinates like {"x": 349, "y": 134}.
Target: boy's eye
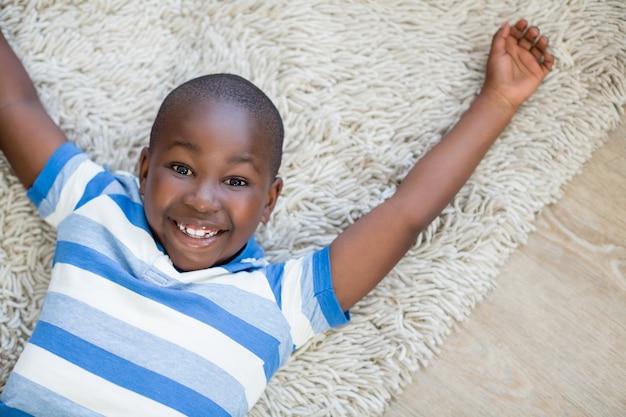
{"x": 181, "y": 169}
{"x": 236, "y": 182}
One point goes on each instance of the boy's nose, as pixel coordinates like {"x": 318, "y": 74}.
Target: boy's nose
{"x": 204, "y": 198}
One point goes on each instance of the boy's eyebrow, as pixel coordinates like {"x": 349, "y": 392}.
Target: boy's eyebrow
{"x": 243, "y": 159}
{"x": 187, "y": 145}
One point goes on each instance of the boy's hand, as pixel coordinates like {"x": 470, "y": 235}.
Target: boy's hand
{"x": 518, "y": 62}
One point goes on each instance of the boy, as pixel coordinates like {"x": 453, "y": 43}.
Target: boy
{"x": 160, "y": 301}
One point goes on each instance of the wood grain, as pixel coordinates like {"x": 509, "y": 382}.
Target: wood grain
{"x": 551, "y": 339}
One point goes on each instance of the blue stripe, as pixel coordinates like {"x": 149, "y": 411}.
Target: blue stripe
{"x": 260, "y": 343}
{"x": 246, "y": 306}
{"x": 122, "y": 372}
{"x": 129, "y": 186}
{"x": 11, "y": 412}
{"x": 32, "y": 398}
{"x": 46, "y": 178}
{"x": 95, "y": 187}
{"x": 133, "y": 211}
{"x": 98, "y": 237}
{"x": 310, "y": 305}
{"x": 146, "y": 350}
{"x": 323, "y": 289}
{"x": 274, "y": 274}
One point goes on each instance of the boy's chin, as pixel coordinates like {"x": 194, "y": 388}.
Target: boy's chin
{"x": 193, "y": 266}
{"x": 185, "y": 264}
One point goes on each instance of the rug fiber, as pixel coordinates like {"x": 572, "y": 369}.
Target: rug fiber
{"x": 365, "y": 88}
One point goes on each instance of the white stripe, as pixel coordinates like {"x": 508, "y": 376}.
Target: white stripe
{"x": 301, "y": 329}
{"x": 111, "y": 216}
{"x": 68, "y": 380}
{"x": 254, "y": 282}
{"x": 163, "y": 322}
{"x": 73, "y": 191}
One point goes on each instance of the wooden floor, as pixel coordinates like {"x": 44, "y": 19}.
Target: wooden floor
{"x": 551, "y": 339}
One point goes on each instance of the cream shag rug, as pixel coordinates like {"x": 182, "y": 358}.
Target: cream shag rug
{"x": 365, "y": 88}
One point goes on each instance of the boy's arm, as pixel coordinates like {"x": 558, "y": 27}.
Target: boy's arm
{"x": 28, "y": 136}
{"x": 366, "y": 251}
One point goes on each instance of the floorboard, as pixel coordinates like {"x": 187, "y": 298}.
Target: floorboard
{"x": 550, "y": 340}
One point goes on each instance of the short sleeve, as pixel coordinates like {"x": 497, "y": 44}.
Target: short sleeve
{"x": 68, "y": 179}
{"x": 306, "y": 296}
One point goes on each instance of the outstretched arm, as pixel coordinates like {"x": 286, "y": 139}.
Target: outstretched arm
{"x": 28, "y": 137}
{"x": 366, "y": 251}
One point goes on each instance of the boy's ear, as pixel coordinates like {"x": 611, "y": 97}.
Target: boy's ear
{"x": 272, "y": 197}
{"x": 144, "y": 165}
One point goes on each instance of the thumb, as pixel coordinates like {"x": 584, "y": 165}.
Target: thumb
{"x": 499, "y": 39}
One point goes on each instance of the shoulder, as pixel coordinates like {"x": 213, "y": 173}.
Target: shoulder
{"x": 70, "y": 179}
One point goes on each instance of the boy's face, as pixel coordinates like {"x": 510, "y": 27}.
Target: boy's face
{"x": 207, "y": 183}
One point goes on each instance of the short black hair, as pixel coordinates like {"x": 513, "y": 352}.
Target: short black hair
{"x": 232, "y": 89}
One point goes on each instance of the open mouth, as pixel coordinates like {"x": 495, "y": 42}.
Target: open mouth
{"x": 196, "y": 232}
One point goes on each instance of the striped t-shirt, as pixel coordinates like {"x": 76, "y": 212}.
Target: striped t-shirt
{"x": 122, "y": 332}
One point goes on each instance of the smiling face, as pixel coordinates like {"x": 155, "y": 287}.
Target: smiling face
{"x": 207, "y": 183}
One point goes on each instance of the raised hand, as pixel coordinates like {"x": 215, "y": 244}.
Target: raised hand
{"x": 518, "y": 62}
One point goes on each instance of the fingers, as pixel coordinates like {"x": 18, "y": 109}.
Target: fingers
{"x": 528, "y": 37}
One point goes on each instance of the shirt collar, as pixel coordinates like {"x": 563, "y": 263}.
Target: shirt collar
{"x": 251, "y": 257}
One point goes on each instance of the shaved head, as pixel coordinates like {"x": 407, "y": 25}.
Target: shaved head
{"x": 234, "y": 90}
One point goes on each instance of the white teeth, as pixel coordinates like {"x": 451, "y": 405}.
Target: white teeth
{"x": 196, "y": 233}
